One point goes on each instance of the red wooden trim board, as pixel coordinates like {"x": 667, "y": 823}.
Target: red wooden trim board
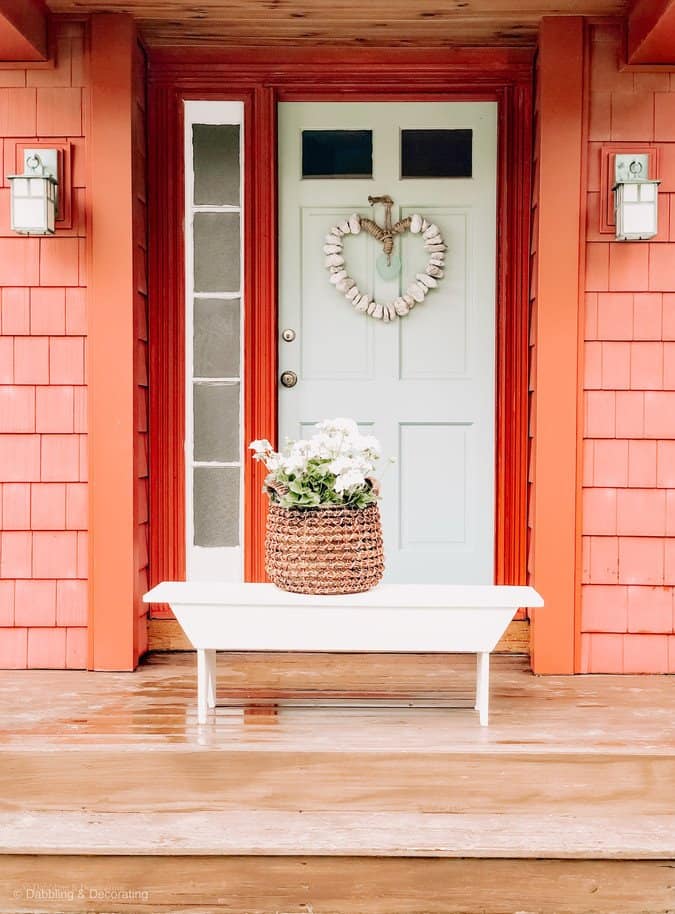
{"x": 261, "y": 79}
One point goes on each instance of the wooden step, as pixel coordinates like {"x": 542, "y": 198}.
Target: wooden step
{"x": 266, "y": 833}
{"x": 555, "y": 745}
{"x": 370, "y": 779}
{"x": 374, "y": 863}
{"x": 199, "y": 884}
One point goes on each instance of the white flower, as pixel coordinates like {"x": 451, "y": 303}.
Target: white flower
{"x": 341, "y": 465}
{"x": 349, "y": 481}
{"x": 260, "y": 446}
{"x": 322, "y": 446}
{"x": 370, "y": 443}
{"x": 347, "y": 458}
{"x": 293, "y": 464}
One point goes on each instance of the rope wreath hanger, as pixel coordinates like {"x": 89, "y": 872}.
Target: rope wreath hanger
{"x": 416, "y": 291}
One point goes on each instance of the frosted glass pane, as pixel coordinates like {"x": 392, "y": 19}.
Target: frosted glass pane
{"x": 216, "y": 252}
{"x": 216, "y": 338}
{"x": 216, "y": 164}
{"x": 216, "y": 422}
{"x": 216, "y": 506}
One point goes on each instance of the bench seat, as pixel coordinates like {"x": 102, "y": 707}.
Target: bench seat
{"x": 425, "y": 618}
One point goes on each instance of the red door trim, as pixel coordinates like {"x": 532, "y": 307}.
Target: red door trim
{"x": 260, "y": 79}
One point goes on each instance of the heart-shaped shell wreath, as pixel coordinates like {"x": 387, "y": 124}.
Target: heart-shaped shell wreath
{"x": 416, "y": 291}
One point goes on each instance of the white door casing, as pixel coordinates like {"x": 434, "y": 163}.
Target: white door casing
{"x": 424, "y": 384}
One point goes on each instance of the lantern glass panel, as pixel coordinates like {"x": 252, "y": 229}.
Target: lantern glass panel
{"x": 638, "y": 218}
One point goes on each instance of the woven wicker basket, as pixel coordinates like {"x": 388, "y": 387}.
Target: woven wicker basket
{"x": 324, "y": 550}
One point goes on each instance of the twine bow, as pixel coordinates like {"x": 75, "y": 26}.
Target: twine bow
{"x": 385, "y": 234}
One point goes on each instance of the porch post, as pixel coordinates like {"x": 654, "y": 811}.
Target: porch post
{"x": 556, "y": 543}
{"x": 112, "y": 610}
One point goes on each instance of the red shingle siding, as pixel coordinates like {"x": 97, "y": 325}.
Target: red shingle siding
{"x": 628, "y": 611}
{"x": 43, "y": 493}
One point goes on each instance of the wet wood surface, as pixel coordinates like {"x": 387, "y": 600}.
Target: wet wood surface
{"x": 332, "y": 733}
{"x": 324, "y": 783}
{"x": 333, "y": 702}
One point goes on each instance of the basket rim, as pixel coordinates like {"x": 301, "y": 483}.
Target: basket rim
{"x": 325, "y": 507}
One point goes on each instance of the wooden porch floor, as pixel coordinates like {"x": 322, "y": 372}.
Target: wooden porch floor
{"x": 319, "y": 784}
{"x": 304, "y": 701}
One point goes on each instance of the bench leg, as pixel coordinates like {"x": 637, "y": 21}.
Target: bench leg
{"x": 211, "y": 673}
{"x": 483, "y": 687}
{"x": 202, "y": 686}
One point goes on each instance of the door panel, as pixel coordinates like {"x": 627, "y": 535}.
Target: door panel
{"x": 424, "y": 385}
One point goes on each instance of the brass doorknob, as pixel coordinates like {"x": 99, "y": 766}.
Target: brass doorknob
{"x": 289, "y": 378}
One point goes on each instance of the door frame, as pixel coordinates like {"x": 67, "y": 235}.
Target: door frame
{"x": 261, "y": 78}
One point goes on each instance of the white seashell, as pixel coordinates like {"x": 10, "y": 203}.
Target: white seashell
{"x": 354, "y": 224}
{"x": 332, "y": 248}
{"x": 438, "y": 259}
{"x": 425, "y": 280}
{"x": 377, "y": 312}
{"x": 433, "y": 248}
{"x": 434, "y": 270}
{"x": 337, "y": 231}
{"x": 344, "y": 228}
{"x": 371, "y": 307}
{"x": 408, "y": 299}
{"x": 401, "y": 307}
{"x": 416, "y": 224}
{"x": 431, "y": 231}
{"x": 391, "y": 311}
{"x": 385, "y": 313}
{"x": 333, "y": 239}
{"x": 353, "y": 294}
{"x": 337, "y": 276}
{"x": 425, "y": 225}
{"x": 435, "y": 239}
{"x": 334, "y": 260}
{"x": 361, "y": 304}
{"x": 345, "y": 284}
{"x": 417, "y": 291}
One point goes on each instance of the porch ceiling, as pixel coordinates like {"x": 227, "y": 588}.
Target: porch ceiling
{"x": 347, "y": 22}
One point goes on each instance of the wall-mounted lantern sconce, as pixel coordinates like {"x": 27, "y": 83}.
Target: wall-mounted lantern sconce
{"x": 34, "y": 193}
{"x": 635, "y": 198}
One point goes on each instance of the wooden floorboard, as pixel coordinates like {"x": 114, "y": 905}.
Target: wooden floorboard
{"x": 155, "y": 708}
{"x": 326, "y": 885}
{"x": 259, "y": 832}
{"x": 115, "y": 742}
{"x": 326, "y": 784}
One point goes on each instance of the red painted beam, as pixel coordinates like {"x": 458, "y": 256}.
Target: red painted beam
{"x": 112, "y": 568}
{"x": 23, "y": 30}
{"x": 651, "y": 32}
{"x": 555, "y": 530}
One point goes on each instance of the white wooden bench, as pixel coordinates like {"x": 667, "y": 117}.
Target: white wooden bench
{"x": 431, "y": 618}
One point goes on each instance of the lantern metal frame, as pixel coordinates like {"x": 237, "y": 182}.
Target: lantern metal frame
{"x": 635, "y": 199}
{"x": 34, "y": 194}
